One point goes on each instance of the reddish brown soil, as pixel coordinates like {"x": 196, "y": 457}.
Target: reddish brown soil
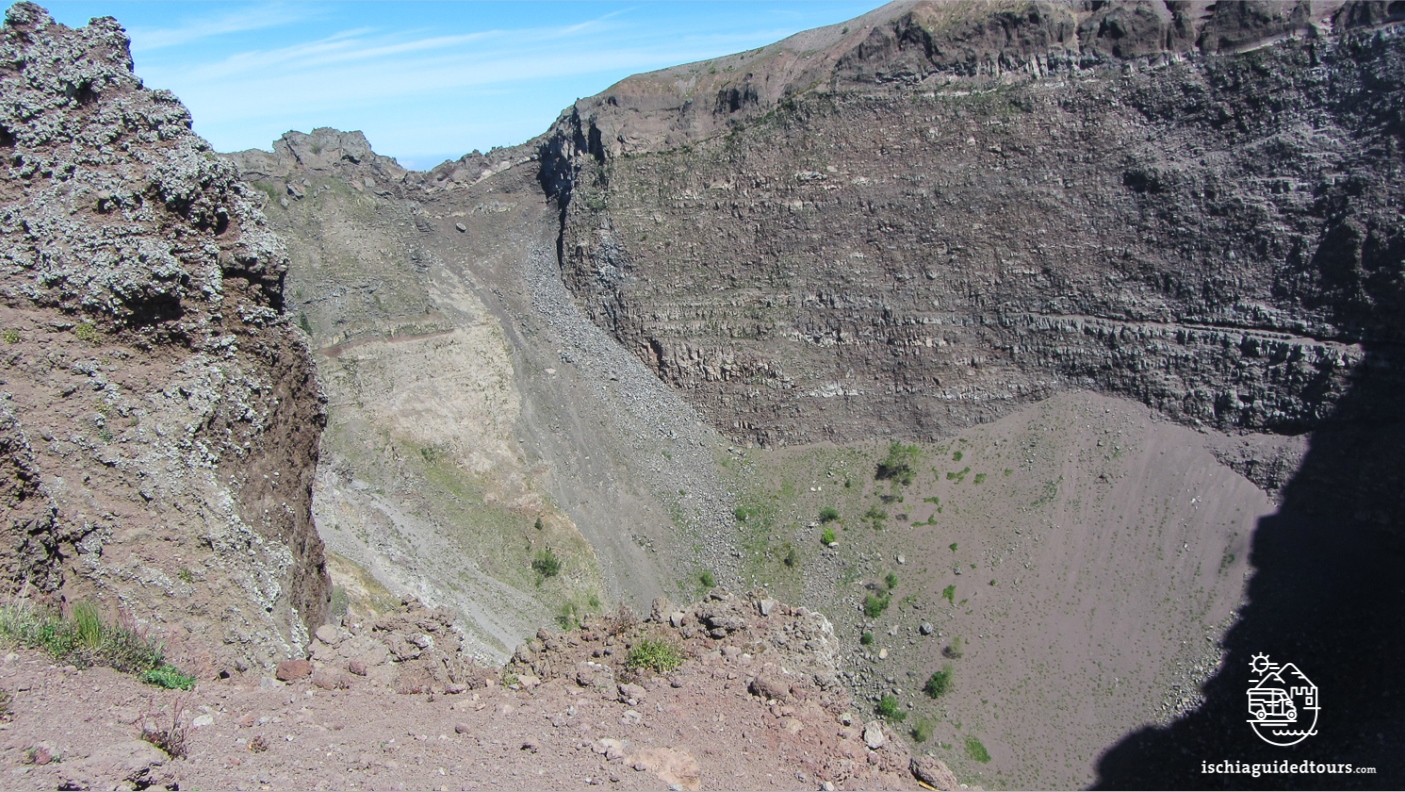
{"x": 698, "y": 727}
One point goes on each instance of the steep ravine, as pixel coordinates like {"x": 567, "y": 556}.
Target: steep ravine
{"x": 476, "y": 416}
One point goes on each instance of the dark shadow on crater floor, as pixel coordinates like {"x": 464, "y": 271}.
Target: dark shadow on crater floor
{"x": 1328, "y": 594}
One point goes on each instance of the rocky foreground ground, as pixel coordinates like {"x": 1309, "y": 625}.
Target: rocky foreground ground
{"x": 754, "y": 705}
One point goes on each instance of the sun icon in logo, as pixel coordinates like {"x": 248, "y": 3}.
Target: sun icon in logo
{"x": 1260, "y": 663}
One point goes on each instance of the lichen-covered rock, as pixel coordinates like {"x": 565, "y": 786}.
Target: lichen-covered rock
{"x": 160, "y": 415}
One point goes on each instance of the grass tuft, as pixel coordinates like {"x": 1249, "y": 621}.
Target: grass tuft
{"x": 81, "y": 638}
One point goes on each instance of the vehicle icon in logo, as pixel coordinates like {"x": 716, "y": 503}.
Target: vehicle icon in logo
{"x": 1282, "y": 703}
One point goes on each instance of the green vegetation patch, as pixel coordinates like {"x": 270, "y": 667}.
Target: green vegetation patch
{"x": 86, "y": 332}
{"x": 654, "y": 655}
{"x": 83, "y": 639}
{"x": 874, "y": 605}
{"x": 900, "y": 464}
{"x": 938, "y": 683}
{"x": 546, "y": 564}
{"x": 889, "y": 709}
{"x": 976, "y": 750}
{"x": 169, "y": 677}
{"x": 949, "y": 593}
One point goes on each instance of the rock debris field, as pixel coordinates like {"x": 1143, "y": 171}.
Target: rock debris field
{"x": 757, "y": 708}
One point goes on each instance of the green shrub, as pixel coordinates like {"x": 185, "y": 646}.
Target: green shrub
{"x": 169, "y": 678}
{"x": 874, "y": 605}
{"x": 707, "y": 579}
{"x": 866, "y": 639}
{"x": 12, "y": 336}
{"x": 828, "y": 537}
{"x": 922, "y": 732}
{"x": 890, "y": 580}
{"x": 829, "y": 514}
{"x": 949, "y": 594}
{"x": 654, "y": 655}
{"x": 86, "y": 332}
{"x": 938, "y": 683}
{"x": 304, "y": 324}
{"x": 956, "y": 457}
{"x": 546, "y": 563}
{"x": 875, "y": 517}
{"x": 791, "y": 556}
{"x": 953, "y": 547}
{"x": 980, "y": 478}
{"x": 976, "y": 750}
{"x": 898, "y": 465}
{"x": 889, "y": 709}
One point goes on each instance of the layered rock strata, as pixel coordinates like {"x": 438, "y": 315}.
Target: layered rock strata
{"x": 943, "y": 211}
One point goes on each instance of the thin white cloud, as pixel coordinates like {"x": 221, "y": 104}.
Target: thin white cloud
{"x": 424, "y": 90}
{"x": 260, "y": 17}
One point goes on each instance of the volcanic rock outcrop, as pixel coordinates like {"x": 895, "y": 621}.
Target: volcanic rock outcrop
{"x": 160, "y": 417}
{"x": 942, "y": 211}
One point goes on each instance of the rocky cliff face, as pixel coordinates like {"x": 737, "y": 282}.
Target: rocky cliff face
{"x": 160, "y": 417}
{"x": 943, "y": 211}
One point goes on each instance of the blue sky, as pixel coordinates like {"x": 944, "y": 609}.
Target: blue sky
{"x": 426, "y": 81}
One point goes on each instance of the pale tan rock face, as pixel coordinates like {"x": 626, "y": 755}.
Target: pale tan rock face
{"x": 160, "y": 413}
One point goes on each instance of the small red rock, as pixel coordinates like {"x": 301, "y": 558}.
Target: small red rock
{"x": 356, "y": 667}
{"x": 290, "y": 670}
